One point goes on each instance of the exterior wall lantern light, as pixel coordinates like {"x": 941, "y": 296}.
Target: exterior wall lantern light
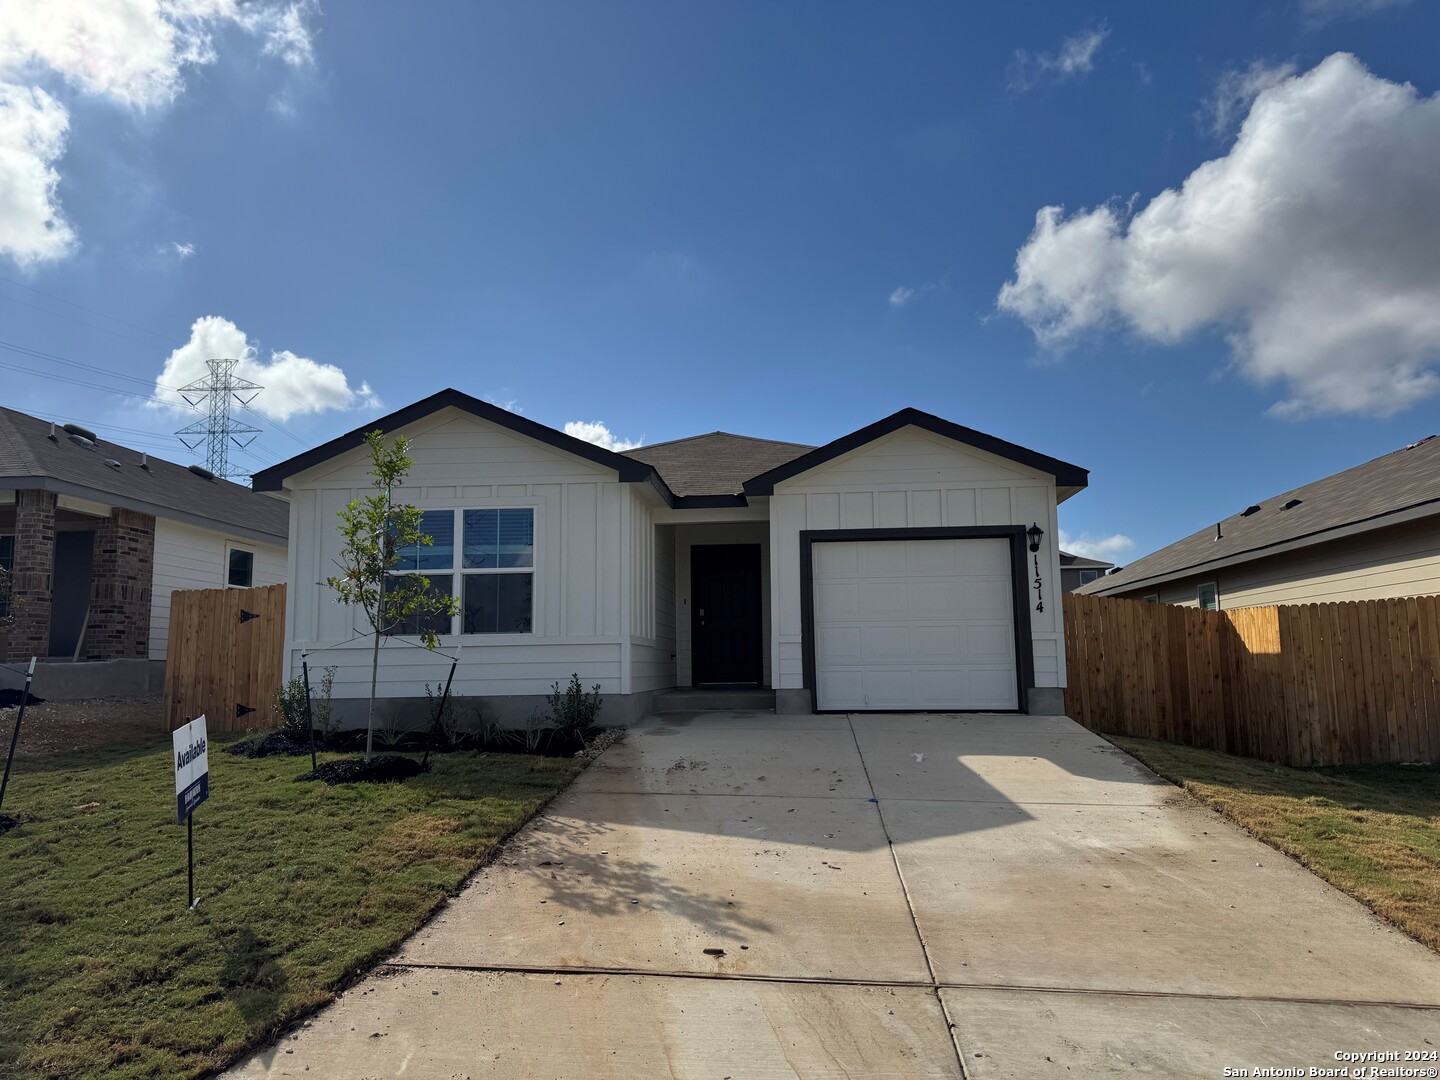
{"x": 1035, "y": 533}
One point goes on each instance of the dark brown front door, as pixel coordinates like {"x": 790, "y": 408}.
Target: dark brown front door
{"x": 725, "y": 613}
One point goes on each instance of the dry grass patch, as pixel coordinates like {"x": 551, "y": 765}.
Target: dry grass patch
{"x": 1371, "y": 830}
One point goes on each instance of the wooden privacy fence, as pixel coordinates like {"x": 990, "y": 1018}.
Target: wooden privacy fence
{"x": 1302, "y": 684}
{"x": 225, "y": 655}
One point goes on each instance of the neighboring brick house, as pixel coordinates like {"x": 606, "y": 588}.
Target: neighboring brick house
{"x": 96, "y": 536}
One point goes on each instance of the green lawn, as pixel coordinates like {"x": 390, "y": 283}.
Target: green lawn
{"x": 103, "y": 971}
{"x": 1371, "y": 830}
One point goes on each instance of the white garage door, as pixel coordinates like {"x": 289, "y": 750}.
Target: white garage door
{"x": 914, "y": 624}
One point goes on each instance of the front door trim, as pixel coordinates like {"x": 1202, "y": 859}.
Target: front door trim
{"x": 1024, "y": 647}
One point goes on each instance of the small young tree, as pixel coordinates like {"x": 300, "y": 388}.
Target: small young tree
{"x": 374, "y": 530}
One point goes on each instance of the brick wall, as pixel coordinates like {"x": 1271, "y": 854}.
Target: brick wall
{"x": 30, "y": 584}
{"x": 121, "y": 582}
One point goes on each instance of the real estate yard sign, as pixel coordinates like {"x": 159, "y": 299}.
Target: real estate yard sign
{"x": 192, "y": 767}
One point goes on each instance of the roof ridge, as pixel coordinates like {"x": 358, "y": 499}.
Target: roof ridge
{"x": 711, "y": 434}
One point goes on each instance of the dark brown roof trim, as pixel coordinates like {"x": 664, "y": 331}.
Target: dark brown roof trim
{"x": 1066, "y": 475}
{"x": 630, "y": 470}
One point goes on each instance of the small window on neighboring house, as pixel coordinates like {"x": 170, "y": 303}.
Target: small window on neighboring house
{"x": 1153, "y": 598}
{"x": 242, "y": 568}
{"x": 7, "y": 563}
{"x": 1087, "y": 576}
{"x": 1208, "y": 596}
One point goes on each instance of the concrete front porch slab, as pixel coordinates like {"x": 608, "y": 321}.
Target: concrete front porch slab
{"x": 1161, "y": 899}
{"x": 1019, "y": 1036}
{"x": 426, "y": 1024}
{"x": 801, "y": 887}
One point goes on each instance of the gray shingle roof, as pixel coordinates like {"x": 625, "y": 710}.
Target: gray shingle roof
{"x": 715, "y": 464}
{"x": 1080, "y": 562}
{"x": 27, "y": 451}
{"x": 1367, "y": 493}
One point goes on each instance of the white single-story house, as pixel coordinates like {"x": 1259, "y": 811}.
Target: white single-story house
{"x": 910, "y": 565}
{"x": 95, "y": 537}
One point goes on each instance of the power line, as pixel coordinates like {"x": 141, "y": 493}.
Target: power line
{"x": 82, "y": 307}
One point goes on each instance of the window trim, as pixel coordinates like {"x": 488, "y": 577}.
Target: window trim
{"x": 1152, "y": 598}
{"x": 231, "y": 546}
{"x": 1200, "y": 603}
{"x": 457, "y": 571}
{"x": 1094, "y": 576}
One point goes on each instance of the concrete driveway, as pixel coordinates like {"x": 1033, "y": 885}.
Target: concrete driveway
{"x": 743, "y": 896}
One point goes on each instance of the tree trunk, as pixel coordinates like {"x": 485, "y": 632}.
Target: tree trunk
{"x": 374, "y": 675}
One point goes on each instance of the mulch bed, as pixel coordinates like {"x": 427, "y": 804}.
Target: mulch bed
{"x": 384, "y": 769}
{"x": 277, "y": 742}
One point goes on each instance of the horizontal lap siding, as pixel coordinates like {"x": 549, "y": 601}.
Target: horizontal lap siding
{"x": 460, "y": 461}
{"x": 912, "y": 479}
{"x": 189, "y": 557}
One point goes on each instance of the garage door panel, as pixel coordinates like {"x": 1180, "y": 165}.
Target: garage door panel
{"x": 922, "y": 624}
{"x": 837, "y": 600}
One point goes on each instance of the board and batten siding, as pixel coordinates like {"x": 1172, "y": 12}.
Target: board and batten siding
{"x": 1402, "y": 560}
{"x": 652, "y": 604}
{"x": 189, "y": 557}
{"x": 583, "y": 610}
{"x": 912, "y": 479}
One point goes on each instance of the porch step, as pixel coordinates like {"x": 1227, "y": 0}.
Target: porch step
{"x": 715, "y": 699}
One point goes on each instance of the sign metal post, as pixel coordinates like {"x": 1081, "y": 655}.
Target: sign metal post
{"x": 192, "y": 787}
{"x": 15, "y": 737}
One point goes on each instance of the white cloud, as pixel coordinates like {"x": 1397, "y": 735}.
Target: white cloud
{"x": 32, "y": 138}
{"x": 1237, "y": 90}
{"x": 1076, "y": 56}
{"x": 182, "y": 251}
{"x": 1106, "y": 548}
{"x": 294, "y": 385}
{"x": 1313, "y": 245}
{"x": 901, "y": 296}
{"x": 595, "y": 431}
{"x": 133, "y": 53}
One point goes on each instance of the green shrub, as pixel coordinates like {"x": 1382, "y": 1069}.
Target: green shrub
{"x": 572, "y": 710}
{"x": 290, "y": 704}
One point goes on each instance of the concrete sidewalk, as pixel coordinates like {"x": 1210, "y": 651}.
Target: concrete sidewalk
{"x": 732, "y": 895}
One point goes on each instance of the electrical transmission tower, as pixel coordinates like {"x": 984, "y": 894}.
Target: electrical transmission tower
{"x": 223, "y": 388}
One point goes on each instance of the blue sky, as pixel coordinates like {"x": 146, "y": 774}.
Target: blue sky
{"x": 779, "y": 219}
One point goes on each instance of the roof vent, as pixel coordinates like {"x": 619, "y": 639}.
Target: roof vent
{"x": 1291, "y": 504}
{"x": 84, "y": 433}
{"x": 1250, "y": 510}
{"x": 52, "y": 436}
{"x": 81, "y": 440}
{"x": 1218, "y": 534}
{"x": 200, "y": 470}
{"x": 113, "y": 463}
{"x": 145, "y": 462}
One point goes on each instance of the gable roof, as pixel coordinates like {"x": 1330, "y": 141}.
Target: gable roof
{"x": 1065, "y": 474}
{"x": 1367, "y": 496}
{"x": 715, "y": 464}
{"x": 631, "y": 471}
{"x": 30, "y": 458}
{"x": 1080, "y": 562}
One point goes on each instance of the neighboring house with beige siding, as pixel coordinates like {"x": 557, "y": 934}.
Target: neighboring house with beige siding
{"x": 1368, "y": 533}
{"x": 97, "y": 536}
{"x": 910, "y": 564}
